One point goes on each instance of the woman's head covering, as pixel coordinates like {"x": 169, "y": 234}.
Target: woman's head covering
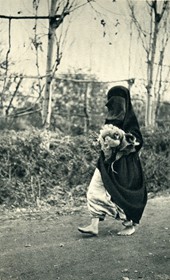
{"x": 121, "y": 113}
{"x": 118, "y": 91}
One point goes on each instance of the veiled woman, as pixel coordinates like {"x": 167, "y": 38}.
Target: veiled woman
{"x": 117, "y": 187}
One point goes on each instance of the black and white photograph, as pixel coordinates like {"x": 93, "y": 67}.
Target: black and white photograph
{"x": 84, "y": 140}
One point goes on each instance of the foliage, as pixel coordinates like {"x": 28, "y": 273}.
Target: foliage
{"x": 155, "y": 158}
{"x": 30, "y": 171}
{"x": 33, "y": 172}
{"x": 78, "y": 102}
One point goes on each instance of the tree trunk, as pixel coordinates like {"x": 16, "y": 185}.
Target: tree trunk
{"x": 46, "y": 107}
{"x": 151, "y": 61}
{"x": 86, "y": 115}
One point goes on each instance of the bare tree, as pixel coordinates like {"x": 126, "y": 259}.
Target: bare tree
{"x": 54, "y": 23}
{"x": 58, "y": 11}
{"x": 153, "y": 33}
{"x": 63, "y": 8}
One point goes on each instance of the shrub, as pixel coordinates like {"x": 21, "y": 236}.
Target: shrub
{"x": 31, "y": 171}
{"x": 155, "y": 159}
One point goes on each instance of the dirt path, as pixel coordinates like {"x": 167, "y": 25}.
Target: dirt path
{"x": 51, "y": 248}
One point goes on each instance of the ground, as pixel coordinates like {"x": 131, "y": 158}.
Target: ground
{"x": 49, "y": 247}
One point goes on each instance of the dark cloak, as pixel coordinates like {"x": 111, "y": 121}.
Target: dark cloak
{"x": 126, "y": 183}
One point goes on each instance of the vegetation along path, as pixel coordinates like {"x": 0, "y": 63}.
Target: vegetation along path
{"x": 49, "y": 247}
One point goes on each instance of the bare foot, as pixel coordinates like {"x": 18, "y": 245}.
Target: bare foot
{"x": 88, "y": 230}
{"x": 127, "y": 223}
{"x": 127, "y": 231}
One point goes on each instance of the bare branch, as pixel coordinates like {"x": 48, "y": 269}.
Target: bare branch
{"x": 158, "y": 16}
{"x": 9, "y": 46}
{"x": 149, "y": 4}
{"x": 36, "y": 6}
{"x": 13, "y": 96}
{"x": 138, "y": 26}
{"x": 79, "y": 6}
{"x": 7, "y": 59}
{"x": 29, "y": 17}
{"x": 26, "y": 112}
{"x": 165, "y": 5}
